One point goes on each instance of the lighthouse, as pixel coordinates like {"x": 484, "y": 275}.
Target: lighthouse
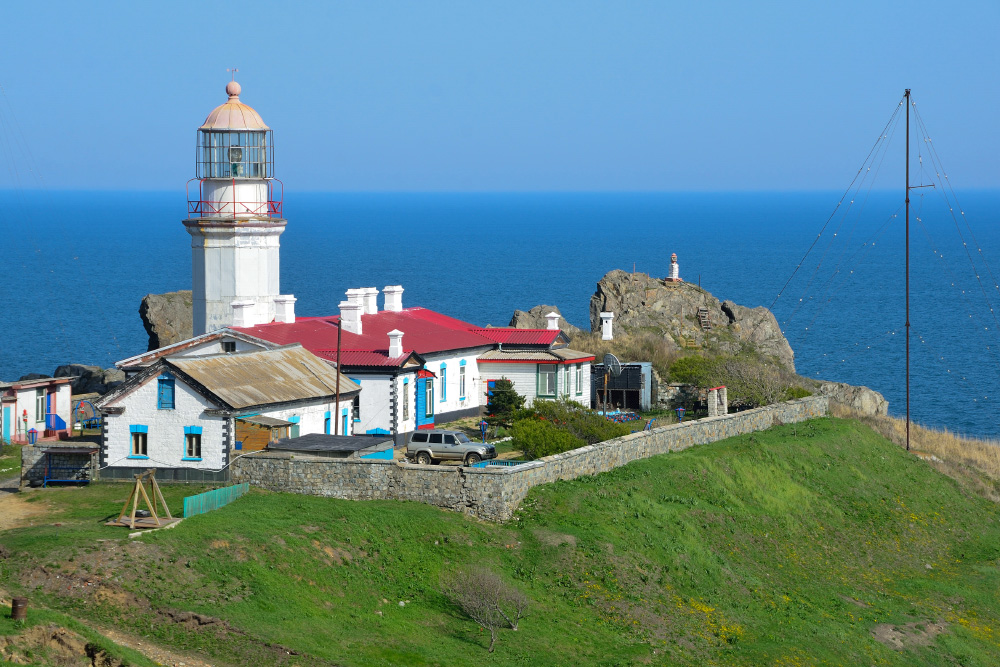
{"x": 235, "y": 221}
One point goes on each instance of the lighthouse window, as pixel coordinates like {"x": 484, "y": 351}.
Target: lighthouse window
{"x": 234, "y": 155}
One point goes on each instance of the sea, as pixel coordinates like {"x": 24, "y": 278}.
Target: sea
{"x": 77, "y": 264}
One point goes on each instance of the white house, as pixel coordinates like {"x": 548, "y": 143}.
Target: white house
{"x": 182, "y": 415}
{"x": 44, "y": 405}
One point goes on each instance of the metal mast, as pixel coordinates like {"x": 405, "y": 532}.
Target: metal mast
{"x": 906, "y": 96}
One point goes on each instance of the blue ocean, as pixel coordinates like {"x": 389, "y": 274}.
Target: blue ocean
{"x": 77, "y": 264}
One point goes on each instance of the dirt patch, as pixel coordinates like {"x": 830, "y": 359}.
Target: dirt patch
{"x": 900, "y": 637}
{"x": 218, "y": 544}
{"x": 56, "y": 644}
{"x": 553, "y": 539}
{"x": 15, "y": 511}
{"x": 157, "y": 654}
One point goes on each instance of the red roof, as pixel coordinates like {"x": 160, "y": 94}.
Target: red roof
{"x": 378, "y": 358}
{"x": 511, "y": 336}
{"x": 424, "y": 331}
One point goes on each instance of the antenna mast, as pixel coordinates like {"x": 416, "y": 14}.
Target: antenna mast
{"x": 906, "y": 96}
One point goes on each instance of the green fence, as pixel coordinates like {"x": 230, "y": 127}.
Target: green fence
{"x": 213, "y": 500}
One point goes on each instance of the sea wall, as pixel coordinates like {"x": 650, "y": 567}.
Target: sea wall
{"x": 494, "y": 492}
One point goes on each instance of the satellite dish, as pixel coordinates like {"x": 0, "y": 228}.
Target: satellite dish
{"x": 612, "y": 365}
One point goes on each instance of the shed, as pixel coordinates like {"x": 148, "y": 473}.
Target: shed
{"x": 632, "y": 390}
{"x": 337, "y": 446}
{"x": 253, "y": 433}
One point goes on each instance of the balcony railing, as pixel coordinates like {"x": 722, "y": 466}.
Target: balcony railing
{"x": 201, "y": 207}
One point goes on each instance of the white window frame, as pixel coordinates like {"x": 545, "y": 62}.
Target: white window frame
{"x": 579, "y": 379}
{"x": 547, "y": 375}
{"x": 40, "y": 406}
{"x": 461, "y": 383}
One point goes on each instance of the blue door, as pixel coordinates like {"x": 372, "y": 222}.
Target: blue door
{"x": 6, "y": 423}
{"x": 425, "y": 402}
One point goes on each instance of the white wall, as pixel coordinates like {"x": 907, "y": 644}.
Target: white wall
{"x": 525, "y": 379}
{"x": 165, "y": 443}
{"x": 406, "y": 425}
{"x": 25, "y": 400}
{"x": 453, "y": 361}
{"x": 312, "y": 415}
{"x": 375, "y": 409}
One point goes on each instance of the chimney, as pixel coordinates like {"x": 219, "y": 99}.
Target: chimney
{"x": 350, "y": 317}
{"x": 355, "y": 296}
{"x": 395, "y": 343}
{"x": 553, "y": 319}
{"x": 371, "y": 300}
{"x": 393, "y": 298}
{"x": 243, "y": 313}
{"x": 606, "y": 319}
{"x": 284, "y": 308}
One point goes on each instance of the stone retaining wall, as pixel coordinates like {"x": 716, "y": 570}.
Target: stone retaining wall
{"x": 33, "y": 464}
{"x": 494, "y": 492}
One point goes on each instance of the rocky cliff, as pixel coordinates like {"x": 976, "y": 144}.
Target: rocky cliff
{"x": 535, "y": 319}
{"x": 672, "y": 308}
{"x": 89, "y": 379}
{"x": 167, "y": 317}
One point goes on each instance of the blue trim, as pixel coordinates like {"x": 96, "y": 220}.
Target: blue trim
{"x": 385, "y": 455}
{"x": 186, "y": 458}
{"x": 165, "y": 392}
{"x": 326, "y": 414}
{"x": 133, "y": 456}
{"x": 249, "y": 414}
{"x": 192, "y": 430}
{"x": 295, "y": 419}
{"x": 378, "y": 431}
{"x": 462, "y": 362}
{"x": 138, "y": 428}
{"x": 355, "y": 380}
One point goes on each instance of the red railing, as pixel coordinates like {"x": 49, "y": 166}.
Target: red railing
{"x": 233, "y": 208}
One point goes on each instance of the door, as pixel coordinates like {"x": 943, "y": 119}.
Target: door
{"x": 6, "y": 423}
{"x": 50, "y": 409}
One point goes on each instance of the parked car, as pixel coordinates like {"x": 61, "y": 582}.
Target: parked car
{"x": 434, "y": 446}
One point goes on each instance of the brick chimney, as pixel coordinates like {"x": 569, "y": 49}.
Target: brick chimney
{"x": 395, "y": 343}
{"x": 284, "y": 308}
{"x": 393, "y": 298}
{"x": 350, "y": 317}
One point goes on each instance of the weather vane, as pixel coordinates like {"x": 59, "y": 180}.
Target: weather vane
{"x": 233, "y": 70}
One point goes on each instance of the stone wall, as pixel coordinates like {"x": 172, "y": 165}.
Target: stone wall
{"x": 494, "y": 492}
{"x": 81, "y": 466}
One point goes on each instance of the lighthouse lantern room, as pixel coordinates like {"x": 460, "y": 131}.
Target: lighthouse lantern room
{"x": 235, "y": 220}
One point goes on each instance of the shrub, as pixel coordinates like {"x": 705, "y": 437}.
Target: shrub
{"x": 796, "y": 392}
{"x": 695, "y": 369}
{"x": 587, "y": 425}
{"x": 487, "y": 599}
{"x": 537, "y": 438}
{"x": 505, "y": 403}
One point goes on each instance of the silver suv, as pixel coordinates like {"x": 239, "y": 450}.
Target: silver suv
{"x": 434, "y": 446}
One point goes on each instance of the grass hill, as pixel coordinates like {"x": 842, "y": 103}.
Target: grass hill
{"x": 809, "y": 544}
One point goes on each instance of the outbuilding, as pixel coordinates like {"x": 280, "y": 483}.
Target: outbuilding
{"x": 43, "y": 404}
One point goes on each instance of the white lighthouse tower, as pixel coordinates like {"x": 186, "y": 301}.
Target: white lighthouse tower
{"x": 235, "y": 221}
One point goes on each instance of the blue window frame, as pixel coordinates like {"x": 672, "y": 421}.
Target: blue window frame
{"x": 192, "y": 443}
{"x": 294, "y": 430}
{"x": 165, "y": 392}
{"x": 139, "y": 435}
{"x": 444, "y": 382}
{"x": 461, "y": 380}
{"x": 343, "y": 416}
{"x": 326, "y": 422}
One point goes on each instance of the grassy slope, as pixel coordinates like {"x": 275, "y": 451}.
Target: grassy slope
{"x": 10, "y": 461}
{"x": 785, "y": 547}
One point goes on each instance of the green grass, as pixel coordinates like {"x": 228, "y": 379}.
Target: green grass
{"x": 10, "y": 461}
{"x": 785, "y": 547}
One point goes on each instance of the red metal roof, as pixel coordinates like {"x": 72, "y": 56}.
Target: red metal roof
{"x": 511, "y": 336}
{"x": 424, "y": 331}
{"x": 374, "y": 358}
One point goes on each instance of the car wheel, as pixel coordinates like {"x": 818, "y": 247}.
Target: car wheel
{"x": 472, "y": 459}
{"x": 424, "y": 459}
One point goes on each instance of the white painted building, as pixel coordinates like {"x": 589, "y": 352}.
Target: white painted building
{"x": 553, "y": 374}
{"x": 44, "y": 405}
{"x": 180, "y": 414}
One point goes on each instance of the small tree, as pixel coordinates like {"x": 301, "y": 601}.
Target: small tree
{"x": 487, "y": 599}
{"x": 505, "y": 402}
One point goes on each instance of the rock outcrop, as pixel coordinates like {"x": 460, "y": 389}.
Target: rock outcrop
{"x": 535, "y": 319}
{"x": 168, "y": 318}
{"x": 864, "y": 400}
{"x": 672, "y": 308}
{"x": 91, "y": 379}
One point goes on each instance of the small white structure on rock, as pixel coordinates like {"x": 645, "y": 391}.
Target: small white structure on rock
{"x": 606, "y": 320}
{"x": 675, "y": 270}
{"x": 553, "y": 320}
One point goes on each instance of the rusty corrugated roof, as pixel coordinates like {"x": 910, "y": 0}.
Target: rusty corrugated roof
{"x": 289, "y": 373}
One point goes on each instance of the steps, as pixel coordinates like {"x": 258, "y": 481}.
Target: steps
{"x": 704, "y": 318}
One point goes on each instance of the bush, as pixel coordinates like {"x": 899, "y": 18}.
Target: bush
{"x": 505, "y": 403}
{"x": 796, "y": 392}
{"x": 751, "y": 379}
{"x": 537, "y": 438}
{"x": 587, "y": 425}
{"x": 487, "y": 599}
{"x": 695, "y": 369}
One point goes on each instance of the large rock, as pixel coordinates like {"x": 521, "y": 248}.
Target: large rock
{"x": 535, "y": 319}
{"x": 864, "y": 400}
{"x": 91, "y": 379}
{"x": 167, "y": 317}
{"x": 672, "y": 308}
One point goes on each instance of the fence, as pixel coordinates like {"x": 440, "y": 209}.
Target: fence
{"x": 213, "y": 500}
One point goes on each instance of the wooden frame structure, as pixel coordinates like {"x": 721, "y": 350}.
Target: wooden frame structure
{"x": 152, "y": 521}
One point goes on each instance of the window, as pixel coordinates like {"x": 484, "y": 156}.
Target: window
{"x": 165, "y": 392}
{"x": 228, "y": 346}
{"x": 406, "y": 400}
{"x": 564, "y": 371}
{"x": 326, "y": 423}
{"x": 579, "y": 379}
{"x": 429, "y": 396}
{"x": 546, "y": 380}
{"x": 450, "y": 440}
{"x": 39, "y": 405}
{"x": 419, "y": 437}
{"x": 436, "y": 438}
{"x": 139, "y": 450}
{"x": 343, "y": 418}
{"x": 192, "y": 443}
{"x": 461, "y": 381}
{"x": 356, "y": 409}
{"x": 444, "y": 383}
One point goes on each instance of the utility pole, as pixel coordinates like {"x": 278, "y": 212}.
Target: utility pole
{"x": 906, "y": 96}
{"x": 336, "y": 414}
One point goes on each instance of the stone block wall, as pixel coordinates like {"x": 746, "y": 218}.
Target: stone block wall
{"x": 494, "y": 492}
{"x": 33, "y": 464}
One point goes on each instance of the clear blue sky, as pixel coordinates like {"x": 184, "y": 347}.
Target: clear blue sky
{"x": 501, "y": 95}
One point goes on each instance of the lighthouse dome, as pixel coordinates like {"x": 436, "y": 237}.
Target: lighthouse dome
{"x": 233, "y": 115}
